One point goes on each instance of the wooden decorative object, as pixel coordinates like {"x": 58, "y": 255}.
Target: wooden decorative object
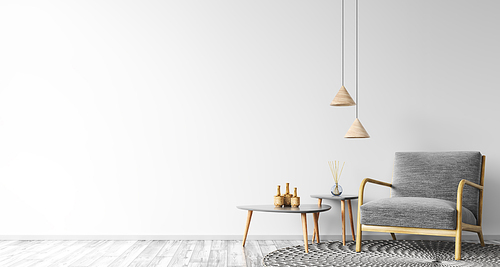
{"x": 343, "y": 98}
{"x": 295, "y": 200}
{"x": 357, "y": 130}
{"x": 278, "y": 199}
{"x": 287, "y": 196}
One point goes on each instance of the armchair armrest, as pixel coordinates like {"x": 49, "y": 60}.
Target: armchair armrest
{"x": 459, "y": 198}
{"x": 464, "y": 182}
{"x": 360, "y": 202}
{"x": 362, "y": 188}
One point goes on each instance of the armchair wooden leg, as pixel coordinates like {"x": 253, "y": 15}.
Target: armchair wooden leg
{"x": 458, "y": 245}
{"x": 358, "y": 237}
{"x": 481, "y": 239}
{"x": 393, "y": 236}
{"x": 358, "y": 222}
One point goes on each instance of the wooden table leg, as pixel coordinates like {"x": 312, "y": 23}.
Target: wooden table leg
{"x": 315, "y": 232}
{"x": 316, "y": 226}
{"x": 342, "y": 210}
{"x": 350, "y": 215}
{"x": 304, "y": 230}
{"x": 249, "y": 217}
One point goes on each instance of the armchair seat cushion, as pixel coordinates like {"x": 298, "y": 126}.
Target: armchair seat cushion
{"x": 415, "y": 212}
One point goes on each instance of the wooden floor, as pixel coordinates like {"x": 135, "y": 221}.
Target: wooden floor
{"x": 139, "y": 253}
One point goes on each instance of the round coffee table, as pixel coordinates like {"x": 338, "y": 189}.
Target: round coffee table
{"x": 302, "y": 209}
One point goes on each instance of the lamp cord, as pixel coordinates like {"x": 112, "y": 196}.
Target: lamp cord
{"x": 357, "y": 101}
{"x": 342, "y": 34}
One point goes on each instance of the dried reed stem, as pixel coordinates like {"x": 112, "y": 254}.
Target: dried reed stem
{"x": 334, "y": 168}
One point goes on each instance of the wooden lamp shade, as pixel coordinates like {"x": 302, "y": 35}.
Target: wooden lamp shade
{"x": 343, "y": 98}
{"x": 357, "y": 130}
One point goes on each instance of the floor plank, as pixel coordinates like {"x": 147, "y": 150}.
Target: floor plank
{"x": 117, "y": 249}
{"x": 218, "y": 254}
{"x": 235, "y": 256}
{"x": 147, "y": 254}
{"x": 23, "y": 251}
{"x": 252, "y": 253}
{"x": 183, "y": 254}
{"x": 267, "y": 246}
{"x": 78, "y": 254}
{"x": 200, "y": 254}
{"x": 130, "y": 254}
{"x": 12, "y": 248}
{"x": 165, "y": 254}
{"x": 44, "y": 251}
{"x": 299, "y": 242}
{"x": 283, "y": 243}
{"x": 94, "y": 255}
{"x": 51, "y": 251}
{"x": 69, "y": 248}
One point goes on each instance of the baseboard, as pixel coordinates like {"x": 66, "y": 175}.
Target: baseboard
{"x": 465, "y": 237}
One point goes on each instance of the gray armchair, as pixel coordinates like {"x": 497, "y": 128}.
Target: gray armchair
{"x": 428, "y": 197}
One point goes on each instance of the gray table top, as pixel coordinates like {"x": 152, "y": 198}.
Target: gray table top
{"x": 341, "y": 197}
{"x": 303, "y": 208}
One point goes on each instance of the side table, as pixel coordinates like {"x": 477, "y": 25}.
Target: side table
{"x": 302, "y": 209}
{"x": 343, "y": 199}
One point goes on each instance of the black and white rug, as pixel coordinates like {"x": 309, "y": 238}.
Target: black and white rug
{"x": 385, "y": 253}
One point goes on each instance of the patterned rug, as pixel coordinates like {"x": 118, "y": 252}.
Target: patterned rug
{"x": 385, "y": 253}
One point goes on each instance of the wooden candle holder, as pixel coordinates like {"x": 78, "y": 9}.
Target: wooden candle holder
{"x": 295, "y": 202}
{"x": 278, "y": 201}
{"x": 287, "y": 196}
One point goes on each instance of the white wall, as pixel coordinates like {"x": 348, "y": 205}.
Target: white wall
{"x": 159, "y": 117}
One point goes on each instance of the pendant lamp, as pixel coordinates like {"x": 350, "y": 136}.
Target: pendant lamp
{"x": 357, "y": 130}
{"x": 343, "y": 98}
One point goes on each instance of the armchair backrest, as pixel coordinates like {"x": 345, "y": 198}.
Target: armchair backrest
{"x": 437, "y": 175}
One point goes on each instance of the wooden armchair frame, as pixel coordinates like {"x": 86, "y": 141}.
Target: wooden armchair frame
{"x": 457, "y": 233}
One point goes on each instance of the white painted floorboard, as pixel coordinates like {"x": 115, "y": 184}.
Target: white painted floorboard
{"x": 176, "y": 253}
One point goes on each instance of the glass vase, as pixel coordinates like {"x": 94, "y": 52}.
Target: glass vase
{"x": 336, "y": 190}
